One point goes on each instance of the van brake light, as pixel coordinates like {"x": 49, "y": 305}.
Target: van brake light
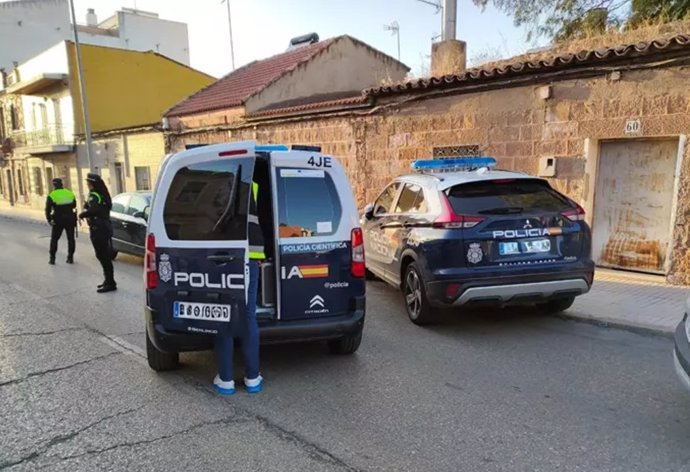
{"x": 151, "y": 271}
{"x": 358, "y": 266}
{"x": 233, "y": 152}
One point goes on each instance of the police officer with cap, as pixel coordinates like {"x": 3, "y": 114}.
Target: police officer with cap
{"x": 97, "y": 213}
{"x": 60, "y": 206}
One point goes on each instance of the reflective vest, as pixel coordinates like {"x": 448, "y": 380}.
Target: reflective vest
{"x": 98, "y": 196}
{"x": 255, "y": 235}
{"x": 62, "y": 196}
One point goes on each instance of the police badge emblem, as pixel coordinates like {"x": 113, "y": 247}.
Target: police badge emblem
{"x": 165, "y": 271}
{"x": 474, "y": 254}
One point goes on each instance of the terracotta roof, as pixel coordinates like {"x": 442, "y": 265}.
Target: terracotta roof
{"x": 233, "y": 89}
{"x": 322, "y": 104}
{"x": 591, "y": 57}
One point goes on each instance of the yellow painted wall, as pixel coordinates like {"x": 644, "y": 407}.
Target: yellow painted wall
{"x": 129, "y": 88}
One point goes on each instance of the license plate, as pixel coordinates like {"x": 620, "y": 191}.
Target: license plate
{"x": 538, "y": 245}
{"x": 506, "y": 249}
{"x": 201, "y": 311}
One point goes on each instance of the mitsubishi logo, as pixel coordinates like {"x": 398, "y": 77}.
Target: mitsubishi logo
{"x": 316, "y": 301}
{"x": 528, "y": 225}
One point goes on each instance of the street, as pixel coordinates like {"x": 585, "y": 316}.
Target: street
{"x": 498, "y": 391}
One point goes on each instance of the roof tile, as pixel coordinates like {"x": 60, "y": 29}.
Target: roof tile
{"x": 233, "y": 89}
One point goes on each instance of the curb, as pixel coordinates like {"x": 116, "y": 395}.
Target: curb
{"x": 639, "y": 328}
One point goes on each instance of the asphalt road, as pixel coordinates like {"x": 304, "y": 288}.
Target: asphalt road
{"x": 507, "y": 391}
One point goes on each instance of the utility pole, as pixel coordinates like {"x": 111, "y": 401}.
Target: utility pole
{"x": 232, "y": 48}
{"x": 450, "y": 13}
{"x": 82, "y": 89}
{"x": 394, "y": 28}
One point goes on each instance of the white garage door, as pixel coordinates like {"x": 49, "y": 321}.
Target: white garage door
{"x": 633, "y": 203}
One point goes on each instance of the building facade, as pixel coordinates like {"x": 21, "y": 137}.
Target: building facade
{"x": 42, "y": 136}
{"x": 32, "y": 26}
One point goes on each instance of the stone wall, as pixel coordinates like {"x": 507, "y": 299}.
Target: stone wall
{"x": 565, "y": 120}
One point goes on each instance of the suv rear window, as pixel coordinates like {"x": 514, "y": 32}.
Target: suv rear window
{"x": 205, "y": 202}
{"x": 517, "y": 196}
{"x": 308, "y": 203}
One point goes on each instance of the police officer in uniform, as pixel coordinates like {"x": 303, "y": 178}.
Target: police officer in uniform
{"x": 253, "y": 382}
{"x": 97, "y": 213}
{"x": 60, "y": 206}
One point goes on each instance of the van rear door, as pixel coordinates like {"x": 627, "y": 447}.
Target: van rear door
{"x": 316, "y": 215}
{"x": 198, "y": 237}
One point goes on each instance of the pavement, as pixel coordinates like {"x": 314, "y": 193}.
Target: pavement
{"x": 505, "y": 390}
{"x": 628, "y": 300}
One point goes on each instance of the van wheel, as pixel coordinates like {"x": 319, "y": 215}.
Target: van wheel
{"x": 558, "y": 305}
{"x": 161, "y": 361}
{"x": 347, "y": 344}
{"x": 418, "y": 308}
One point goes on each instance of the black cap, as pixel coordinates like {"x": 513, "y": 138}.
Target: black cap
{"x": 57, "y": 181}
{"x": 90, "y": 177}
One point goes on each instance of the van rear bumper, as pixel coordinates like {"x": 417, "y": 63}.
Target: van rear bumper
{"x": 274, "y": 332}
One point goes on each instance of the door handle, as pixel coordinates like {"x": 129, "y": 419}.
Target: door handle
{"x": 221, "y": 258}
{"x": 124, "y": 224}
{"x": 392, "y": 225}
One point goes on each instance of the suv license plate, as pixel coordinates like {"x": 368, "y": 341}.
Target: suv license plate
{"x": 201, "y": 311}
{"x": 539, "y": 245}
{"x": 506, "y": 249}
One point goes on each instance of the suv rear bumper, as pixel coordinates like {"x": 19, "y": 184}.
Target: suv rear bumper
{"x": 275, "y": 332}
{"x": 511, "y": 290}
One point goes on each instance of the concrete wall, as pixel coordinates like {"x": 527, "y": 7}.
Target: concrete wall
{"x": 130, "y": 88}
{"x": 145, "y": 33}
{"x": 346, "y": 66}
{"x": 28, "y": 27}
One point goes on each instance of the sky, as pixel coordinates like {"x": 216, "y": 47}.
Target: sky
{"x": 262, "y": 28}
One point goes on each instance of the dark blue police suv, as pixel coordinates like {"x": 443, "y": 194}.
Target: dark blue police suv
{"x": 457, "y": 234}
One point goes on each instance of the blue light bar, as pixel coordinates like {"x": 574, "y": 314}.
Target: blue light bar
{"x": 457, "y": 163}
{"x": 271, "y": 147}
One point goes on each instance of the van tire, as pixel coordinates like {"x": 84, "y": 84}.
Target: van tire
{"x": 419, "y": 310}
{"x": 347, "y": 344}
{"x": 161, "y": 361}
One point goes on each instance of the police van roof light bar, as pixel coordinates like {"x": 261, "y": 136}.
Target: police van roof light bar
{"x": 452, "y": 164}
{"x": 302, "y": 147}
{"x": 271, "y": 147}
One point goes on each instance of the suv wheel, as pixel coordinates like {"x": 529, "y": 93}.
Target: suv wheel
{"x": 347, "y": 344}
{"x": 558, "y": 305}
{"x": 418, "y": 308}
{"x": 158, "y": 360}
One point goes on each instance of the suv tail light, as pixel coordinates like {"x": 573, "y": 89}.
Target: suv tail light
{"x": 448, "y": 219}
{"x": 575, "y": 214}
{"x": 358, "y": 267}
{"x": 151, "y": 272}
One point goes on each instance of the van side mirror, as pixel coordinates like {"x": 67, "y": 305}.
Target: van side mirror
{"x": 140, "y": 214}
{"x": 369, "y": 211}
{"x": 147, "y": 212}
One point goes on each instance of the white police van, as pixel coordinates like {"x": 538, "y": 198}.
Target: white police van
{"x": 312, "y": 284}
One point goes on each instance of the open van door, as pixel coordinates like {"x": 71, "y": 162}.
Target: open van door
{"x": 196, "y": 249}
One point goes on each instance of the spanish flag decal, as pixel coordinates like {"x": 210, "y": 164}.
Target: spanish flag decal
{"x": 314, "y": 271}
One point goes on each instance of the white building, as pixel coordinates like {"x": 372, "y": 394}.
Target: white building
{"x": 32, "y": 26}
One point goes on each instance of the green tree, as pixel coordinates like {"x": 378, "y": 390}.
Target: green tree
{"x": 564, "y": 19}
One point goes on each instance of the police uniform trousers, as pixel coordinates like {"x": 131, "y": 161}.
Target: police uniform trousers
{"x": 59, "y": 225}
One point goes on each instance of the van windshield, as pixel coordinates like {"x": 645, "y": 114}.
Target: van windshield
{"x": 208, "y": 202}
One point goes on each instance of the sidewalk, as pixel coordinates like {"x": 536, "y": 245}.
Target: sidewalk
{"x": 631, "y": 300}
{"x": 30, "y": 216}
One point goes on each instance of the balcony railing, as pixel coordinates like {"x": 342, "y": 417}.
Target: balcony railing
{"x": 55, "y": 135}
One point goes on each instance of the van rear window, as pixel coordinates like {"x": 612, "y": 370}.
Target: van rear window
{"x": 502, "y": 197}
{"x": 308, "y": 203}
{"x": 208, "y": 202}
